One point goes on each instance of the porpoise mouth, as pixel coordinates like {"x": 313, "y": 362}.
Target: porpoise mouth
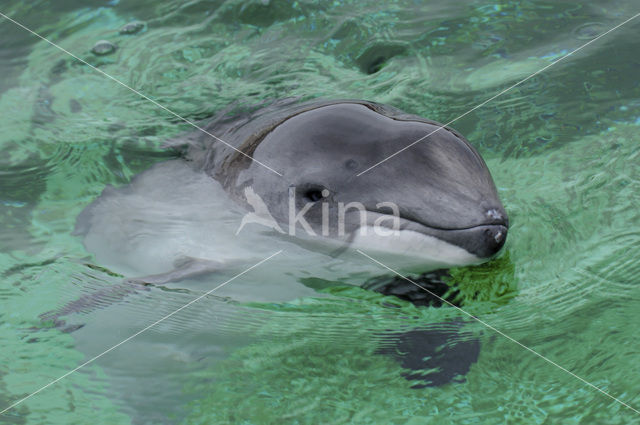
{"x": 483, "y": 240}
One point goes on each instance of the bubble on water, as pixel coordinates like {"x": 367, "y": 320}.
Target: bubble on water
{"x": 589, "y": 30}
{"x": 103, "y": 47}
{"x": 132, "y": 27}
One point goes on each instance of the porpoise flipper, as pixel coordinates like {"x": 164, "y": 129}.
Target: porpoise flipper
{"x": 86, "y": 303}
{"x": 439, "y": 354}
{"x": 185, "y": 268}
{"x": 435, "y": 356}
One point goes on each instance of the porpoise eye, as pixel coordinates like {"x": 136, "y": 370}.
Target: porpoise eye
{"x": 316, "y": 194}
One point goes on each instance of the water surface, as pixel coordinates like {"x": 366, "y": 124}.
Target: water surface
{"x": 562, "y": 147}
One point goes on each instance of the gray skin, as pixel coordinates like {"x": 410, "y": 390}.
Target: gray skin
{"x": 441, "y": 185}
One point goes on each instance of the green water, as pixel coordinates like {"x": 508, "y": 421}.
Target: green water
{"x": 563, "y": 150}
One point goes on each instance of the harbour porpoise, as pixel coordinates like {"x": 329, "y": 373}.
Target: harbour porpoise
{"x": 291, "y": 174}
{"x": 310, "y": 179}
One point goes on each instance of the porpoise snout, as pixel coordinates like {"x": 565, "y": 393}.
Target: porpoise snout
{"x": 494, "y": 233}
{"x": 483, "y": 240}
{"x": 495, "y": 236}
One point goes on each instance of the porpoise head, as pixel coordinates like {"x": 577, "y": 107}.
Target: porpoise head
{"x": 435, "y": 201}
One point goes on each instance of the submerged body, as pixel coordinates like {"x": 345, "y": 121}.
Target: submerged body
{"x": 434, "y": 205}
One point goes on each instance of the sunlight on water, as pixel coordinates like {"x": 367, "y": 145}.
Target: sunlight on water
{"x": 562, "y": 148}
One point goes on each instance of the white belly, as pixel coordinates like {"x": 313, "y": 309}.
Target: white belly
{"x": 171, "y": 212}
